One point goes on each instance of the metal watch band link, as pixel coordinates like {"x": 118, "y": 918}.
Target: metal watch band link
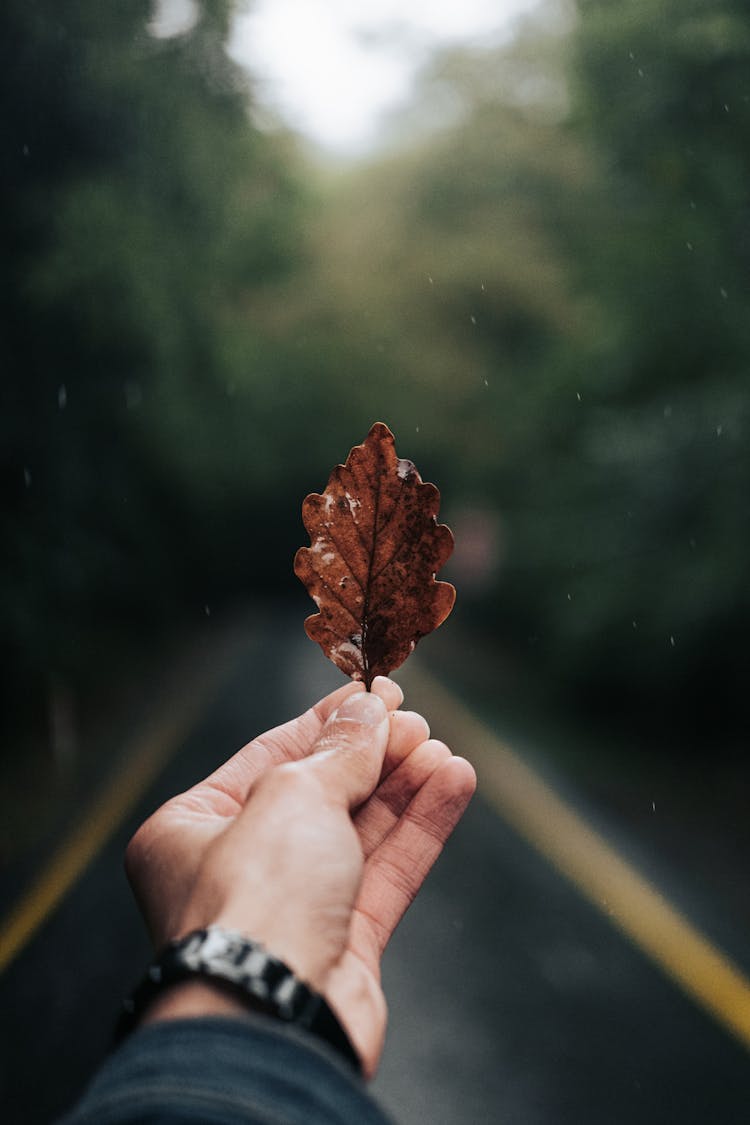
{"x": 253, "y": 974}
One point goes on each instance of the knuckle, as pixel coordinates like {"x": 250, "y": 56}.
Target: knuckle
{"x": 290, "y": 778}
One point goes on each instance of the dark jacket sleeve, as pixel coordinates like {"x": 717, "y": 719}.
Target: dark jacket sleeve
{"x": 218, "y": 1071}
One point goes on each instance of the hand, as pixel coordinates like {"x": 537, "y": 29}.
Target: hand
{"x": 313, "y": 839}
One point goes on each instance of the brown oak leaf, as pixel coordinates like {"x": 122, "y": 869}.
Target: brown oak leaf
{"x": 375, "y": 548}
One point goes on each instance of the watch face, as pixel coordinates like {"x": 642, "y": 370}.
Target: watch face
{"x": 229, "y": 956}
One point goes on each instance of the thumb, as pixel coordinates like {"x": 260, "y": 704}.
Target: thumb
{"x": 348, "y": 755}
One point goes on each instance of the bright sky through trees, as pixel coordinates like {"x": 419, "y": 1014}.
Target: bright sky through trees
{"x": 332, "y": 67}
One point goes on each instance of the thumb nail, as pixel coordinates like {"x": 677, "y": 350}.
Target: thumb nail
{"x": 363, "y": 708}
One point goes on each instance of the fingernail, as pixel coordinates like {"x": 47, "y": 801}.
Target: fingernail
{"x": 385, "y": 682}
{"x": 364, "y": 708}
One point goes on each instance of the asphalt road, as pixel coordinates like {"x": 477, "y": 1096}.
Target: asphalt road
{"x": 512, "y": 999}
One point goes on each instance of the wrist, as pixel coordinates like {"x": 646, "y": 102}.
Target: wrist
{"x": 191, "y": 999}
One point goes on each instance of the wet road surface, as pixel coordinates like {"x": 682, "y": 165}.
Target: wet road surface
{"x": 512, "y": 998}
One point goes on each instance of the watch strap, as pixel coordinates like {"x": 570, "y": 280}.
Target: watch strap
{"x": 253, "y": 974}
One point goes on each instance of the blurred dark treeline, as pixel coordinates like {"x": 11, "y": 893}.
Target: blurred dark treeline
{"x": 140, "y": 210}
{"x": 542, "y": 287}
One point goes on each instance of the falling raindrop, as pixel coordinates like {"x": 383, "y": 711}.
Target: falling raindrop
{"x": 27, "y": 476}
{"x": 207, "y": 610}
{"x": 62, "y": 396}
{"x": 473, "y": 319}
{"x": 671, "y": 641}
{"x": 578, "y": 395}
{"x": 719, "y": 430}
{"x": 723, "y": 293}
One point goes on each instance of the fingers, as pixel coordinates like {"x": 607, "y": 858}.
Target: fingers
{"x": 397, "y": 867}
{"x": 228, "y": 787}
{"x": 348, "y": 754}
{"x": 389, "y": 692}
{"x": 381, "y": 813}
{"x": 408, "y": 730}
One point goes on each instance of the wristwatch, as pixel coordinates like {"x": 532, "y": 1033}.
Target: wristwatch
{"x": 245, "y": 967}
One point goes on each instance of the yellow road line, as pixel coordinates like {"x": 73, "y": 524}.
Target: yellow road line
{"x": 517, "y": 793}
{"x": 630, "y": 902}
{"x": 142, "y": 761}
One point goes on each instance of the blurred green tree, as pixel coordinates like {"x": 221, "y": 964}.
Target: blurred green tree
{"x": 140, "y": 209}
{"x": 544, "y": 287}
{"x": 658, "y": 469}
